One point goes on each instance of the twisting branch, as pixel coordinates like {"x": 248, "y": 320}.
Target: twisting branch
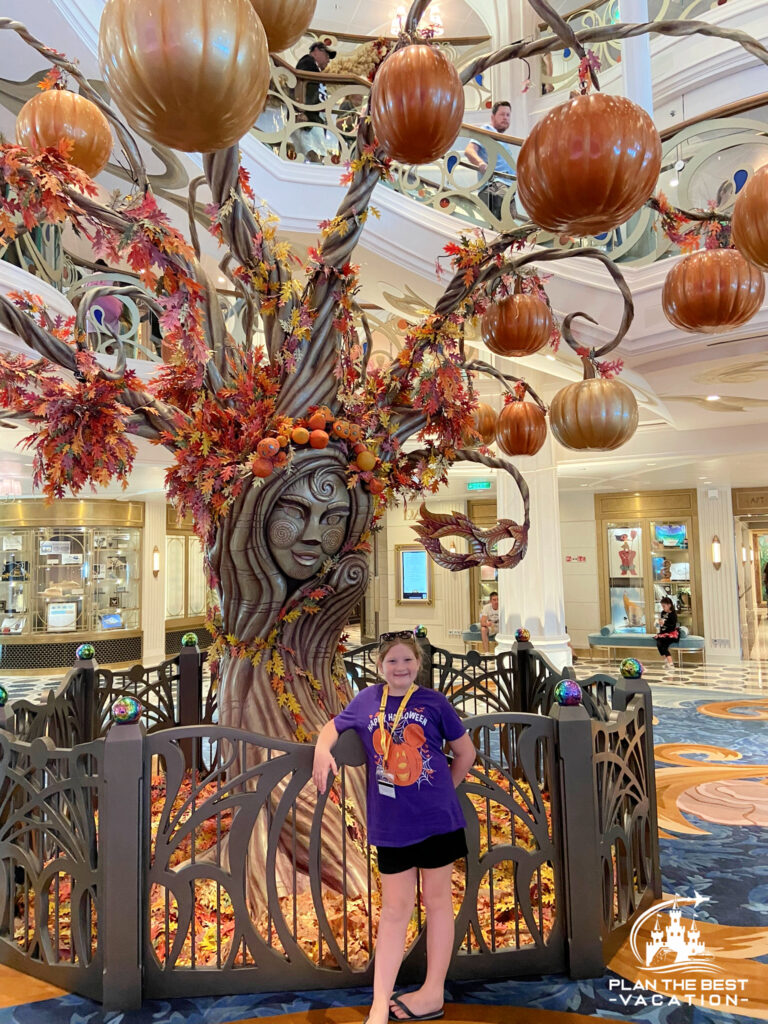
{"x": 564, "y": 31}
{"x": 127, "y": 141}
{"x": 480, "y": 366}
{"x": 613, "y": 33}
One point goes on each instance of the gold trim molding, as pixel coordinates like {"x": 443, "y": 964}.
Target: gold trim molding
{"x": 71, "y": 512}
{"x": 647, "y": 503}
{"x": 748, "y": 500}
{"x": 174, "y": 525}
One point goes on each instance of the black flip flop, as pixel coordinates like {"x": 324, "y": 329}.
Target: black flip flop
{"x": 410, "y": 1015}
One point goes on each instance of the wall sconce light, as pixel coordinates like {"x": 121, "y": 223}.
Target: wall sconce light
{"x": 744, "y": 556}
{"x": 751, "y": 554}
{"x": 155, "y": 561}
{"x": 717, "y": 559}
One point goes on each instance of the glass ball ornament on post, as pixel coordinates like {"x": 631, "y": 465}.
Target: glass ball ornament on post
{"x": 568, "y": 693}
{"x": 417, "y": 104}
{"x": 3, "y": 696}
{"x": 189, "y": 640}
{"x": 126, "y": 709}
{"x": 522, "y": 635}
{"x": 631, "y": 668}
{"x": 60, "y": 114}
{"x": 420, "y": 632}
{"x": 85, "y": 652}
{"x": 190, "y": 74}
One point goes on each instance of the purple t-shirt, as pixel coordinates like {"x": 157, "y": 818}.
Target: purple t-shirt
{"x": 425, "y": 802}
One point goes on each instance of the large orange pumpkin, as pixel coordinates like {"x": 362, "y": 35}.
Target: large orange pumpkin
{"x": 417, "y": 104}
{"x": 485, "y": 422}
{"x": 284, "y": 21}
{"x": 404, "y": 763}
{"x": 712, "y": 290}
{"x": 588, "y": 165}
{"x": 518, "y": 325}
{"x": 191, "y": 74}
{"x": 60, "y": 114}
{"x": 593, "y": 415}
{"x": 522, "y": 428}
{"x": 750, "y": 219}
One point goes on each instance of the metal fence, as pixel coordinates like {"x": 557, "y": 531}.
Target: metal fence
{"x": 162, "y": 860}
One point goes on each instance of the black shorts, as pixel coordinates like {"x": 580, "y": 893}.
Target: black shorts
{"x": 434, "y": 852}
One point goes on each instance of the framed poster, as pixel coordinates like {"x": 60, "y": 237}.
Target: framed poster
{"x": 413, "y": 574}
{"x": 62, "y": 616}
{"x": 625, "y": 551}
{"x": 628, "y": 609}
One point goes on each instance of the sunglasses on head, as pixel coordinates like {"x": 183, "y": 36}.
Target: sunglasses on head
{"x": 399, "y": 634}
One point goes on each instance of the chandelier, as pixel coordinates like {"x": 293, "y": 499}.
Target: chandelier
{"x": 433, "y": 23}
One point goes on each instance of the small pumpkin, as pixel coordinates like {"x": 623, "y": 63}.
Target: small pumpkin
{"x": 485, "y": 422}
{"x": 417, "y": 104}
{"x": 268, "y": 447}
{"x": 366, "y": 461}
{"x": 521, "y": 429}
{"x": 261, "y": 467}
{"x": 593, "y": 415}
{"x": 318, "y": 439}
{"x": 60, "y": 114}
{"x": 749, "y": 225}
{"x": 517, "y": 325}
{"x": 712, "y": 290}
{"x": 300, "y": 435}
{"x": 193, "y": 75}
{"x": 404, "y": 763}
{"x": 588, "y": 165}
{"x": 284, "y": 21}
{"x": 317, "y": 420}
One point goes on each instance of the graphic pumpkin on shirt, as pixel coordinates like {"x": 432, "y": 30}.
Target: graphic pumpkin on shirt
{"x": 409, "y": 754}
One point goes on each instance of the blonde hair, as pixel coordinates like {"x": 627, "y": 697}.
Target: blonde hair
{"x": 406, "y": 641}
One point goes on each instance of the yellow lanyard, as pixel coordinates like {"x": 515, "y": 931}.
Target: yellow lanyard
{"x": 386, "y": 737}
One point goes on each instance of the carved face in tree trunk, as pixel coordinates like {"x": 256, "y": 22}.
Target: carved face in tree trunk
{"x": 308, "y": 523}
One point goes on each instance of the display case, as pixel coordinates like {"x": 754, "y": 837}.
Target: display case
{"x": 70, "y": 577}
{"x": 187, "y": 594}
{"x": 648, "y": 550}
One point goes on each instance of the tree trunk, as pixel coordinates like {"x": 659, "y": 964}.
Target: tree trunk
{"x": 287, "y": 537}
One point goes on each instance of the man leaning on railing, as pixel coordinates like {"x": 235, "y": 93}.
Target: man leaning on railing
{"x": 494, "y": 190}
{"x": 311, "y": 141}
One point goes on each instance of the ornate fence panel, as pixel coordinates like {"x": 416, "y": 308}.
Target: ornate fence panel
{"x": 625, "y": 798}
{"x": 303, "y": 915}
{"x": 50, "y": 870}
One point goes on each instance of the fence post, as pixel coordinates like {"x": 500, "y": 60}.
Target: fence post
{"x": 121, "y": 826}
{"x": 623, "y": 693}
{"x": 86, "y": 665}
{"x": 523, "y": 687}
{"x": 190, "y": 695}
{"x": 582, "y": 864}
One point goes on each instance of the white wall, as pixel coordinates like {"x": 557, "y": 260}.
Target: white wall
{"x": 578, "y": 534}
{"x": 719, "y": 591}
{"x": 450, "y": 608}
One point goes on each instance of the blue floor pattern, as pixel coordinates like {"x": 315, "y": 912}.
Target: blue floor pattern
{"x": 730, "y": 865}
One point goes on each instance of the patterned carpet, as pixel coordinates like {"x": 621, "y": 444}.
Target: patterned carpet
{"x": 712, "y": 767}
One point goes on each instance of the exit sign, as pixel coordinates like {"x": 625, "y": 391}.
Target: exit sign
{"x": 479, "y": 485}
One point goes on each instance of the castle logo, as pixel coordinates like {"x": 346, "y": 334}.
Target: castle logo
{"x": 674, "y": 947}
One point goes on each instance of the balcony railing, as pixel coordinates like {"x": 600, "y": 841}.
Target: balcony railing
{"x": 559, "y": 71}
{"x": 703, "y": 160}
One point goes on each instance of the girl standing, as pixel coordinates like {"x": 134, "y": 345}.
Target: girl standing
{"x": 414, "y": 818}
{"x": 668, "y": 632}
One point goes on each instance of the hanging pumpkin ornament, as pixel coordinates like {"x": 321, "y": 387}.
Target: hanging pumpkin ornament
{"x": 593, "y": 414}
{"x": 522, "y": 428}
{"x": 60, "y": 114}
{"x": 749, "y": 226}
{"x": 417, "y": 104}
{"x": 284, "y": 21}
{"x": 588, "y": 165}
{"x": 190, "y": 74}
{"x": 712, "y": 290}
{"x": 517, "y": 325}
{"x": 485, "y": 422}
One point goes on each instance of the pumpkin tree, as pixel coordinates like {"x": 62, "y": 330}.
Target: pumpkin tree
{"x": 284, "y": 453}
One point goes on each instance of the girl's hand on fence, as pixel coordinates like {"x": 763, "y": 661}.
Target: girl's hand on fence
{"x": 323, "y": 764}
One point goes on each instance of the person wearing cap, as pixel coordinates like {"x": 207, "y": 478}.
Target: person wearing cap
{"x": 311, "y": 141}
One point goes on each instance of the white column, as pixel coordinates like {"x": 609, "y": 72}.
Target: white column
{"x": 719, "y": 591}
{"x": 636, "y": 57}
{"x": 531, "y": 595}
{"x": 153, "y": 587}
